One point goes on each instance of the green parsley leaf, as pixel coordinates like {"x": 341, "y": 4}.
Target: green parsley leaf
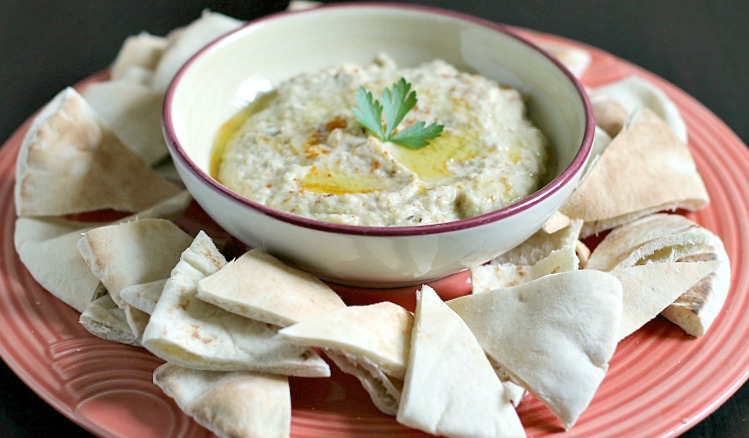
{"x": 396, "y": 103}
{"x": 416, "y": 135}
{"x": 369, "y": 113}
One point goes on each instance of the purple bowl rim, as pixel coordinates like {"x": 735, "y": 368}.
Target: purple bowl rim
{"x": 539, "y": 195}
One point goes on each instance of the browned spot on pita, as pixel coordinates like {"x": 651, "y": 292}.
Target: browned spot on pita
{"x": 694, "y": 298}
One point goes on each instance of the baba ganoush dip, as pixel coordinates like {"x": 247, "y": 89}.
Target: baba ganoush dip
{"x": 299, "y": 149}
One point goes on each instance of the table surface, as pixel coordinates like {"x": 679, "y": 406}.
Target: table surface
{"x": 700, "y": 46}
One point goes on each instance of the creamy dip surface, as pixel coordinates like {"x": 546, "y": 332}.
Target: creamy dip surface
{"x": 299, "y": 149}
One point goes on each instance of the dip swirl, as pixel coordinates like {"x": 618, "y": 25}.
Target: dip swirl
{"x": 300, "y": 150}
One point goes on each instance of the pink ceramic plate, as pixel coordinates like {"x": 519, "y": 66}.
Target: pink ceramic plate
{"x": 661, "y": 381}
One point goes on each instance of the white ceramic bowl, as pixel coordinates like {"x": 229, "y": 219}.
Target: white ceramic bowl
{"x": 230, "y": 72}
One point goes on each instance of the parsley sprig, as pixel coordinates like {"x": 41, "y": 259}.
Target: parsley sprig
{"x": 396, "y": 102}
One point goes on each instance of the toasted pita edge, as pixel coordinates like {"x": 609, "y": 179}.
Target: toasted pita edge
{"x": 649, "y": 289}
{"x": 696, "y": 310}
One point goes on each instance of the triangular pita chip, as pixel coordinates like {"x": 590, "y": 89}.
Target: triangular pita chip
{"x": 668, "y": 238}
{"x": 190, "y": 332}
{"x": 575, "y": 59}
{"x": 133, "y": 112}
{"x": 105, "y": 320}
{"x": 554, "y": 335}
{"x": 143, "y": 296}
{"x": 134, "y": 252}
{"x": 610, "y": 115}
{"x": 648, "y": 289}
{"x": 259, "y": 286}
{"x": 370, "y": 342}
{"x": 450, "y": 387}
{"x": 645, "y": 169}
{"x": 69, "y": 162}
{"x": 47, "y": 248}
{"x": 556, "y": 222}
{"x": 230, "y": 404}
{"x": 142, "y": 51}
{"x": 634, "y": 93}
{"x": 300, "y": 5}
{"x": 185, "y": 42}
{"x": 379, "y": 332}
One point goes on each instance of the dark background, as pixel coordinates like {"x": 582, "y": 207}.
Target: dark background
{"x": 700, "y": 46}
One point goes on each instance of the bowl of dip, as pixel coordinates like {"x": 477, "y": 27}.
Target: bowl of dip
{"x": 263, "y": 128}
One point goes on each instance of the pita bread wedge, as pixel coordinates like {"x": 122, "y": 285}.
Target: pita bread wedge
{"x": 47, "y": 248}
{"x": 186, "y": 41}
{"x": 192, "y": 333}
{"x": 541, "y": 254}
{"x": 143, "y": 296}
{"x": 634, "y": 93}
{"x": 576, "y": 60}
{"x": 669, "y": 238}
{"x": 132, "y": 253}
{"x": 69, "y": 162}
{"x": 142, "y": 51}
{"x": 104, "y": 319}
{"x": 649, "y": 289}
{"x": 554, "y": 335}
{"x": 230, "y": 404}
{"x": 370, "y": 342}
{"x": 649, "y": 169}
{"x": 300, "y": 5}
{"x": 556, "y": 222}
{"x": 379, "y": 332}
{"x": 261, "y": 287}
{"x": 450, "y": 388}
{"x": 610, "y": 115}
{"x": 133, "y": 112}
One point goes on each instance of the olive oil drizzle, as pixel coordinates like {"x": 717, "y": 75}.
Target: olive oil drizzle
{"x": 229, "y": 129}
